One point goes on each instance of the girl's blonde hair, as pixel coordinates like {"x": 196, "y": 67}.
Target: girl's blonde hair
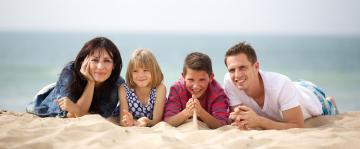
{"x": 143, "y": 58}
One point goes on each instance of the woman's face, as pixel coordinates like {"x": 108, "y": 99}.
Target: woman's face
{"x": 101, "y": 66}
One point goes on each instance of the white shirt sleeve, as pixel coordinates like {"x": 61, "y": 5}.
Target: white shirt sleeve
{"x": 231, "y": 91}
{"x": 288, "y": 96}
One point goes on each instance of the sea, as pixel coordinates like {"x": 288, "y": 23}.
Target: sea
{"x": 31, "y": 60}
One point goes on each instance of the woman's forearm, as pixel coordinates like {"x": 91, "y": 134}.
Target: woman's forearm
{"x": 85, "y": 100}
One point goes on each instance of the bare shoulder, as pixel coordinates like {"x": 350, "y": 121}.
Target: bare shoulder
{"x": 161, "y": 91}
{"x": 161, "y": 87}
{"x": 121, "y": 89}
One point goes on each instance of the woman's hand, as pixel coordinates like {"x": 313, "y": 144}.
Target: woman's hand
{"x": 67, "y": 105}
{"x": 127, "y": 119}
{"x": 85, "y": 69}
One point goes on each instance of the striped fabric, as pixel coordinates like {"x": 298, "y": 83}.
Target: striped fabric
{"x": 328, "y": 103}
{"x": 215, "y": 102}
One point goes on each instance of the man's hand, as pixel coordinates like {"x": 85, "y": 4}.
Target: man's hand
{"x": 244, "y": 118}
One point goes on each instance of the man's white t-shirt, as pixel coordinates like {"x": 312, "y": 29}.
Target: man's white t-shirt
{"x": 280, "y": 94}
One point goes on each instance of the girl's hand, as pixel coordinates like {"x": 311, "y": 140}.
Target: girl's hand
{"x": 67, "y": 105}
{"x": 85, "y": 69}
{"x": 127, "y": 119}
{"x": 142, "y": 122}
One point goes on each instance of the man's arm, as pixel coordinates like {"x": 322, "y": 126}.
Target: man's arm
{"x": 292, "y": 118}
{"x": 247, "y": 118}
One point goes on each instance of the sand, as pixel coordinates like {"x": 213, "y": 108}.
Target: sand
{"x": 22, "y": 130}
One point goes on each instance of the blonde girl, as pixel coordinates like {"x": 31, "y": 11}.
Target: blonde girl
{"x": 143, "y": 96}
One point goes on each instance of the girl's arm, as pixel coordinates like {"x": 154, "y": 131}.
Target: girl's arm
{"x": 159, "y": 105}
{"x": 125, "y": 116}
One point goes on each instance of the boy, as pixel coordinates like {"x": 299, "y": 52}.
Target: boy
{"x": 197, "y": 91}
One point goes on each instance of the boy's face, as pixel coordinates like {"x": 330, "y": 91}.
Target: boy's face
{"x": 197, "y": 81}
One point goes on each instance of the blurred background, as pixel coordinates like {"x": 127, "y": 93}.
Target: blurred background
{"x": 317, "y": 41}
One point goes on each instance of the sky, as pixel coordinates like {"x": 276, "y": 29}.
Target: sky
{"x": 183, "y": 16}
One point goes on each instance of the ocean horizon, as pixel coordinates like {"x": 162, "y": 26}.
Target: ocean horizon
{"x": 31, "y": 60}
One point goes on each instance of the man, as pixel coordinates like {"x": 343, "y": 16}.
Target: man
{"x": 197, "y": 91}
{"x": 268, "y": 100}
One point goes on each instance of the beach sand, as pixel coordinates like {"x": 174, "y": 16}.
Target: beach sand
{"x": 22, "y": 130}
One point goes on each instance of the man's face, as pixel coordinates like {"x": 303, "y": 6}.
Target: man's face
{"x": 197, "y": 82}
{"x": 242, "y": 72}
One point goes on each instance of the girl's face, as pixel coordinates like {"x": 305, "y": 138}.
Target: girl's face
{"x": 141, "y": 77}
{"x": 101, "y": 66}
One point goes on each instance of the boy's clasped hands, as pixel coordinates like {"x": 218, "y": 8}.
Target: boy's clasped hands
{"x": 194, "y": 106}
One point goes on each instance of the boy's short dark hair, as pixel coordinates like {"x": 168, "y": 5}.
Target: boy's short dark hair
{"x": 198, "y": 61}
{"x": 244, "y": 48}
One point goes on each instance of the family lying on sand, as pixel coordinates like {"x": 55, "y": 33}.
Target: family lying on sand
{"x": 251, "y": 98}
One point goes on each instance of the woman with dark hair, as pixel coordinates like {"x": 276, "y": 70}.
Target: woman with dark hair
{"x": 87, "y": 85}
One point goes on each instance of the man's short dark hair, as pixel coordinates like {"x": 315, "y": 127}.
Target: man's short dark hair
{"x": 244, "y": 48}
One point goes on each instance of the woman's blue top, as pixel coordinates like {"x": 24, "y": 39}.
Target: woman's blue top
{"x": 44, "y": 103}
